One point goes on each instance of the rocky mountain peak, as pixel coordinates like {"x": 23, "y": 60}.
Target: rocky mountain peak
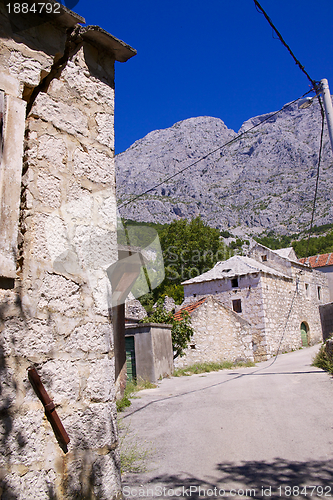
{"x": 263, "y": 181}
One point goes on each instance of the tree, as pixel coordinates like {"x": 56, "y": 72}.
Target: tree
{"x": 181, "y": 331}
{"x": 189, "y": 248}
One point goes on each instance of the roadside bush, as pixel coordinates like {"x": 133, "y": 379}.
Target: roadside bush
{"x": 181, "y": 331}
{"x": 323, "y": 360}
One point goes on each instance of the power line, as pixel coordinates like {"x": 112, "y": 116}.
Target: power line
{"x": 314, "y": 83}
{"x": 318, "y": 170}
{"x": 210, "y": 153}
{"x": 316, "y": 86}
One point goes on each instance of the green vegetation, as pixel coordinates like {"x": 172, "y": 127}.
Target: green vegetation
{"x": 189, "y": 249}
{"x": 323, "y": 361}
{"x": 226, "y": 234}
{"x": 210, "y": 367}
{"x": 304, "y": 247}
{"x": 158, "y": 227}
{"x": 181, "y": 331}
{"x": 321, "y": 229}
{"x": 131, "y": 389}
{"x": 275, "y": 242}
{"x": 315, "y": 245}
{"x": 133, "y": 453}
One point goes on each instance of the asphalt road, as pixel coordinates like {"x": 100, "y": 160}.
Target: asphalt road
{"x": 262, "y": 432}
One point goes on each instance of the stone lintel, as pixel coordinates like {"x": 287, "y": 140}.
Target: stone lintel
{"x": 121, "y": 51}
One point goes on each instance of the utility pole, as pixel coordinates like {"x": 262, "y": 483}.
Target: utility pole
{"x": 325, "y": 91}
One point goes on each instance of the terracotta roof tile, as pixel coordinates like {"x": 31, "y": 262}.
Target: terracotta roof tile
{"x": 321, "y": 261}
{"x": 315, "y": 261}
{"x": 190, "y": 308}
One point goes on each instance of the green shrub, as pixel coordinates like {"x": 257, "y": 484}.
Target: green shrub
{"x": 181, "y": 331}
{"x": 323, "y": 361}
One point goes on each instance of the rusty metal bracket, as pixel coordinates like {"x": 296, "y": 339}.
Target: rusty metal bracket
{"x": 49, "y": 407}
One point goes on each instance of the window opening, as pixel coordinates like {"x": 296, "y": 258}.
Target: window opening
{"x": 237, "y": 305}
{"x": 234, "y": 283}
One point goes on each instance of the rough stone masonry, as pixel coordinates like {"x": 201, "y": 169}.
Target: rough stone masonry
{"x": 57, "y": 237}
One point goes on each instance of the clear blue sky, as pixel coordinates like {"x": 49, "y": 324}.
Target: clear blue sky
{"x": 213, "y": 58}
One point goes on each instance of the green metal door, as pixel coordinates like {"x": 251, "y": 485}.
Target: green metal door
{"x": 130, "y": 358}
{"x": 304, "y": 335}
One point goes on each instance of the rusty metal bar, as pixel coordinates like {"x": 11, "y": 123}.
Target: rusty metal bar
{"x": 49, "y": 407}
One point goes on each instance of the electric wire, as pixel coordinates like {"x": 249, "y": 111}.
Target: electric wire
{"x": 272, "y": 115}
{"x": 314, "y": 83}
{"x": 285, "y": 326}
{"x": 318, "y": 171}
{"x": 316, "y": 86}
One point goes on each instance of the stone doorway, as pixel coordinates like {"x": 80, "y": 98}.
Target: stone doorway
{"x": 304, "y": 334}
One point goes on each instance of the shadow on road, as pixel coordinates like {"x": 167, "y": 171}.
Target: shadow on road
{"x": 254, "y": 479}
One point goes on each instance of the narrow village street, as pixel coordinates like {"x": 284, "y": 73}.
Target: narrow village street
{"x": 261, "y": 432}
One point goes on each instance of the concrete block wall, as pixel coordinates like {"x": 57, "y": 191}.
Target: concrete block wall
{"x": 153, "y": 350}
{"x": 55, "y": 316}
{"x": 326, "y": 316}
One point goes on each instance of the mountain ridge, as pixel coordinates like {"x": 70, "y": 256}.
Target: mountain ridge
{"x": 264, "y": 181}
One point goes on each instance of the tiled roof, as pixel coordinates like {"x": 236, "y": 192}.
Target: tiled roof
{"x": 323, "y": 260}
{"x": 190, "y": 308}
{"x": 235, "y": 266}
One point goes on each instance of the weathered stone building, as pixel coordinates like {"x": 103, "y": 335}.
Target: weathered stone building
{"x": 58, "y": 237}
{"x": 273, "y": 291}
{"x": 219, "y": 333}
{"x": 324, "y": 264}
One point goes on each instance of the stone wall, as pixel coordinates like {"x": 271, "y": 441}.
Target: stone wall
{"x": 249, "y": 292}
{"x": 289, "y": 304}
{"x": 55, "y": 316}
{"x": 219, "y": 335}
{"x": 275, "y": 306}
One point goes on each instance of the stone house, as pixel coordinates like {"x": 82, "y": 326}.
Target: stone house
{"x": 219, "y": 333}
{"x": 324, "y": 264}
{"x": 58, "y": 237}
{"x": 273, "y": 291}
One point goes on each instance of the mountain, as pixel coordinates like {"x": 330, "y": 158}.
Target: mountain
{"x": 263, "y": 181}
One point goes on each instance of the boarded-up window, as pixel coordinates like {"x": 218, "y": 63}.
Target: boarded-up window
{"x": 12, "y": 126}
{"x": 237, "y": 305}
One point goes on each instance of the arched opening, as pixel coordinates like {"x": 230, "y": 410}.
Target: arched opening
{"x": 305, "y": 334}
